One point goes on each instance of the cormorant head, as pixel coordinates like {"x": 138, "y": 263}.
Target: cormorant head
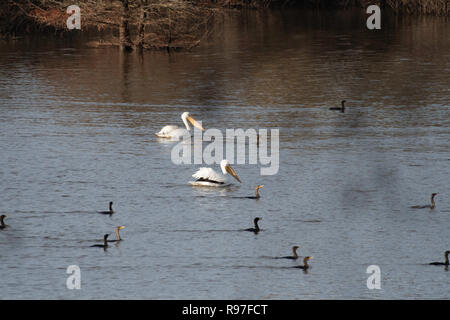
{"x": 307, "y": 258}
{"x": 295, "y": 247}
{"x": 3, "y": 216}
{"x": 447, "y": 253}
{"x": 434, "y": 195}
{"x": 343, "y": 101}
{"x": 257, "y": 219}
{"x": 120, "y": 227}
{"x": 259, "y": 187}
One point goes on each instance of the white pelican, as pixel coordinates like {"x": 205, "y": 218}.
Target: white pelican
{"x": 175, "y": 132}
{"x": 209, "y": 178}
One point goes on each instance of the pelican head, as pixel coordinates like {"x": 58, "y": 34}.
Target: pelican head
{"x": 186, "y": 117}
{"x": 226, "y": 168}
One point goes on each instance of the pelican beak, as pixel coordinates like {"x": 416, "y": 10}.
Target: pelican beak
{"x": 195, "y": 123}
{"x": 231, "y": 171}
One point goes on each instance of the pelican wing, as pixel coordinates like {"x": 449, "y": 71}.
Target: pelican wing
{"x": 166, "y": 131}
{"x": 209, "y": 174}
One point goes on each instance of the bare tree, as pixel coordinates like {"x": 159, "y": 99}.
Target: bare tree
{"x": 141, "y": 24}
{"x": 124, "y": 28}
{"x": 160, "y": 24}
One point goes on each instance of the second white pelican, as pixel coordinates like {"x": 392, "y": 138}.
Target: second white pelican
{"x": 175, "y": 132}
{"x": 209, "y": 178}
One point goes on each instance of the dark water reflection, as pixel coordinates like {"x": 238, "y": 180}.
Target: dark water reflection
{"x": 77, "y": 130}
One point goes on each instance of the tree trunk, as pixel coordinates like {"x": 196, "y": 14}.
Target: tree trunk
{"x": 141, "y": 26}
{"x": 124, "y": 31}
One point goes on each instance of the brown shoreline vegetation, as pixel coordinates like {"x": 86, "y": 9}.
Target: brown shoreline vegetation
{"x": 429, "y": 7}
{"x": 134, "y": 24}
{"x": 164, "y": 24}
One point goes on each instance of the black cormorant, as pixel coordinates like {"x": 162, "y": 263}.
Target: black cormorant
{"x": 305, "y": 264}
{"x": 256, "y": 229}
{"x": 294, "y": 254}
{"x": 256, "y": 196}
{"x": 105, "y": 243}
{"x": 341, "y": 109}
{"x": 442, "y": 263}
{"x": 111, "y": 211}
{"x": 2, "y": 223}
{"x": 429, "y": 206}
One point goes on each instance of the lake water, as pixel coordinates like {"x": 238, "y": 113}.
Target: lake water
{"x": 77, "y": 130}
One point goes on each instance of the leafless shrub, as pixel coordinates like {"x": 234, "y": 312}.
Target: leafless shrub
{"x": 168, "y": 24}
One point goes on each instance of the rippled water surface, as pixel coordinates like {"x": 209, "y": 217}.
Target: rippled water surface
{"x": 77, "y": 130}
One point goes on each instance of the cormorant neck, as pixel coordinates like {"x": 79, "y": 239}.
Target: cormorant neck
{"x": 256, "y": 224}
{"x": 294, "y": 252}
{"x": 105, "y": 241}
{"x": 446, "y": 259}
{"x": 2, "y": 223}
{"x": 433, "y": 204}
{"x": 110, "y": 208}
{"x": 305, "y": 262}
